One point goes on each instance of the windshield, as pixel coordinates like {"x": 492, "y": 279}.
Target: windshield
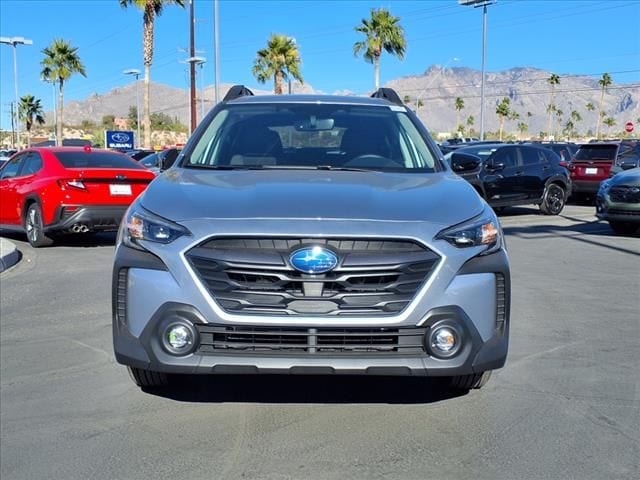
{"x": 318, "y": 136}
{"x": 596, "y": 152}
{"x": 482, "y": 151}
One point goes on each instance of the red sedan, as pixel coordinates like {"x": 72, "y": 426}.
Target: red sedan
{"x": 45, "y": 191}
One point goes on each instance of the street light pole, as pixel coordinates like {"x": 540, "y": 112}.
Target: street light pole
{"x": 14, "y": 42}
{"x": 216, "y": 53}
{"x": 484, "y": 4}
{"x": 136, "y": 74}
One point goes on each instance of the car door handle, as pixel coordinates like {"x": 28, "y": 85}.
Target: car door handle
{"x": 545, "y": 168}
{"x": 518, "y": 174}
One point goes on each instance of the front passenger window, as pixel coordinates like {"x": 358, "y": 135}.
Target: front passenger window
{"x": 507, "y": 157}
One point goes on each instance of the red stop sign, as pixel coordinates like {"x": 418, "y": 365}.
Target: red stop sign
{"x": 628, "y": 127}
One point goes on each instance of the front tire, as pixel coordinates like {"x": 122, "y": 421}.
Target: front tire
{"x": 553, "y": 200}
{"x": 467, "y": 382}
{"x": 624, "y": 228}
{"x": 147, "y": 378}
{"x": 34, "y": 227}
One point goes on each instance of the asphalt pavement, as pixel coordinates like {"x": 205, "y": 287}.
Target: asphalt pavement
{"x": 566, "y": 406}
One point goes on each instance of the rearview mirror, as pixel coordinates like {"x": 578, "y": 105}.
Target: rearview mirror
{"x": 314, "y": 124}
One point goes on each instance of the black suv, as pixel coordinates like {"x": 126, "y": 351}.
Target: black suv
{"x": 508, "y": 175}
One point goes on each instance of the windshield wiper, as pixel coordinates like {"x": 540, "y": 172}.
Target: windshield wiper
{"x": 280, "y": 167}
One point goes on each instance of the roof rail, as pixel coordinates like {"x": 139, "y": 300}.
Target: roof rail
{"x": 388, "y": 94}
{"x": 237, "y": 91}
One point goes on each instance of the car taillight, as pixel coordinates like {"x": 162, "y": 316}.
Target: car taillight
{"x": 71, "y": 184}
{"x": 571, "y": 166}
{"x": 563, "y": 164}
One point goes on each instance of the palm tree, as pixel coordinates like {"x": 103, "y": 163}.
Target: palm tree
{"x": 559, "y": 114}
{"x": 459, "y": 105}
{"x": 383, "y": 32}
{"x": 590, "y": 107}
{"x": 609, "y": 122}
{"x": 419, "y": 103}
{"x": 406, "y": 99}
{"x": 502, "y": 110}
{"x": 151, "y": 9}
{"x": 60, "y": 61}
{"x": 575, "y": 119}
{"x": 553, "y": 80}
{"x": 29, "y": 111}
{"x": 604, "y": 82}
{"x": 280, "y": 60}
{"x": 522, "y": 128}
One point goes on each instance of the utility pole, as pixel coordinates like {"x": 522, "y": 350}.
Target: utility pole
{"x": 192, "y": 68}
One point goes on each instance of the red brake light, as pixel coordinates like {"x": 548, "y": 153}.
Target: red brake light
{"x": 87, "y": 148}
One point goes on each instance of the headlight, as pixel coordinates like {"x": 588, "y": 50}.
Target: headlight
{"x": 604, "y": 185}
{"x": 140, "y": 224}
{"x": 483, "y": 230}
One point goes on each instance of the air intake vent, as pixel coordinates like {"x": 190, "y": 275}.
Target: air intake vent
{"x": 218, "y": 339}
{"x": 501, "y": 302}
{"x": 121, "y": 296}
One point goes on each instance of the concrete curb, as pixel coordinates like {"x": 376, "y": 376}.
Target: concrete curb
{"x": 9, "y": 254}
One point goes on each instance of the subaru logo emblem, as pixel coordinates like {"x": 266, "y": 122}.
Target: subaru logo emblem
{"x": 120, "y": 137}
{"x": 313, "y": 260}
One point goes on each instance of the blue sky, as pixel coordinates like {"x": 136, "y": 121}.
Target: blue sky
{"x": 564, "y": 36}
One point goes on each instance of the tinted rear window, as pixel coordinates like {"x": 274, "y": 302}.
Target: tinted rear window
{"x": 82, "y": 159}
{"x": 596, "y": 152}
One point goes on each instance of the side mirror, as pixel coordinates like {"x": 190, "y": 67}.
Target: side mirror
{"x": 464, "y": 162}
{"x": 628, "y": 164}
{"x": 168, "y": 159}
{"x": 495, "y": 166}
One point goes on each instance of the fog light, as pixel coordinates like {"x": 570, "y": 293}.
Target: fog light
{"x": 444, "y": 341}
{"x": 178, "y": 338}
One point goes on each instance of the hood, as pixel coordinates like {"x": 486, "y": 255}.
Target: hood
{"x": 188, "y": 194}
{"x": 627, "y": 177}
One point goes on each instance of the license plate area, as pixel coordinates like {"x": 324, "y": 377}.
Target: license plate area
{"x": 591, "y": 171}
{"x": 116, "y": 189}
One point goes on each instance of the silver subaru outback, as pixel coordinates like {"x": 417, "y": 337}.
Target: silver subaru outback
{"x": 311, "y": 235}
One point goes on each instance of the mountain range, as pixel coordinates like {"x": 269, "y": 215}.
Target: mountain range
{"x": 437, "y": 89}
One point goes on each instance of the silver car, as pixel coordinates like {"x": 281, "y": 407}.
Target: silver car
{"x": 311, "y": 235}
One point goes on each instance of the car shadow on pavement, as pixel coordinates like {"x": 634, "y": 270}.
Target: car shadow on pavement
{"x": 88, "y": 240}
{"x": 577, "y": 232}
{"x": 306, "y": 389}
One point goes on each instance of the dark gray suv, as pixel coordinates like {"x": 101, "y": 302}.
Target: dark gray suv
{"x": 312, "y": 235}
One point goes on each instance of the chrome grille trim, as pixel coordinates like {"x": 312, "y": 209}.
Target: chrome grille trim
{"x": 252, "y": 276}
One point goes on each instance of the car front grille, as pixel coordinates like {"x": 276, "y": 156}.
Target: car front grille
{"x": 624, "y": 194}
{"x": 217, "y": 339}
{"x": 253, "y": 276}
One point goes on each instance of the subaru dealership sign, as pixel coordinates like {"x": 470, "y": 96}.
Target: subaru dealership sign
{"x": 118, "y": 139}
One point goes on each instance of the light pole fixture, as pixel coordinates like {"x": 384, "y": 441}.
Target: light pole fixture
{"x": 14, "y": 42}
{"x": 484, "y": 4}
{"x": 136, "y": 73}
{"x": 194, "y": 61}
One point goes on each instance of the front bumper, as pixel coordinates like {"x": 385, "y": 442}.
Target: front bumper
{"x": 148, "y": 296}
{"x": 616, "y": 211}
{"x": 94, "y": 217}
